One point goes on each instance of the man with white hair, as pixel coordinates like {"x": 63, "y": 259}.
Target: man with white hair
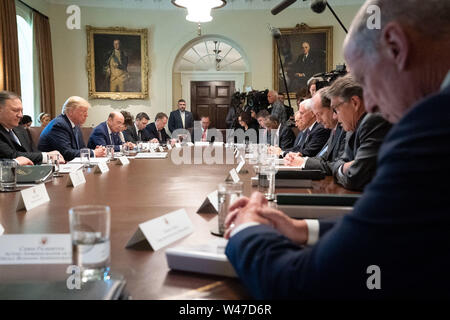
{"x": 276, "y": 108}
{"x": 64, "y": 133}
{"x": 395, "y": 242}
{"x": 312, "y": 136}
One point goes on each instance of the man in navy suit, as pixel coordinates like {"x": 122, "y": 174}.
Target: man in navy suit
{"x": 181, "y": 119}
{"x": 14, "y": 140}
{"x": 395, "y": 242}
{"x": 64, "y": 133}
{"x": 333, "y": 149}
{"x": 107, "y": 133}
{"x": 136, "y": 132}
{"x": 156, "y": 131}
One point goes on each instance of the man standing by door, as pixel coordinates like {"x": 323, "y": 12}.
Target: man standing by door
{"x": 181, "y": 119}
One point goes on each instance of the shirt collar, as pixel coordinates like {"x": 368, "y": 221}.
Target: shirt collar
{"x": 109, "y": 130}
{"x": 71, "y": 123}
{"x": 446, "y": 82}
{"x": 312, "y": 126}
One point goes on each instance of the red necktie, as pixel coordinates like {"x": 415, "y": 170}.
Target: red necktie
{"x": 204, "y": 136}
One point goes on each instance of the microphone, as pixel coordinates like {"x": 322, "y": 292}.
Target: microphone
{"x": 318, "y": 6}
{"x": 283, "y": 5}
{"x": 276, "y": 33}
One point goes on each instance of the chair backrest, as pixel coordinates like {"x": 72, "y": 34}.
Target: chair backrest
{"x": 86, "y": 134}
{"x": 35, "y": 133}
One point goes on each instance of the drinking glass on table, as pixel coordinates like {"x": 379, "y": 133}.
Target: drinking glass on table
{"x": 8, "y": 176}
{"x": 266, "y": 176}
{"x": 228, "y": 193}
{"x": 90, "y": 232}
{"x": 85, "y": 156}
{"x": 54, "y": 161}
{"x": 110, "y": 152}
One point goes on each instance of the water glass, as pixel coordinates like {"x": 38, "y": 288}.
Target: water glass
{"x": 54, "y": 161}
{"x": 90, "y": 231}
{"x": 85, "y": 156}
{"x": 228, "y": 193}
{"x": 8, "y": 176}
{"x": 266, "y": 176}
{"x": 110, "y": 152}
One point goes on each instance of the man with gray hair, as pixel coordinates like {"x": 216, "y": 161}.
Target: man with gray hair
{"x": 14, "y": 141}
{"x": 64, "y": 133}
{"x": 276, "y": 107}
{"x": 395, "y": 242}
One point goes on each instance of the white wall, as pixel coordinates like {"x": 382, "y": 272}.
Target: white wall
{"x": 168, "y": 33}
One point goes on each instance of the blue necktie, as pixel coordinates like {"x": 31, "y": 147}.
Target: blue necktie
{"x": 77, "y": 140}
{"x": 323, "y": 151}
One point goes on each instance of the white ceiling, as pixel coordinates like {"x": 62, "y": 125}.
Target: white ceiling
{"x": 167, "y": 5}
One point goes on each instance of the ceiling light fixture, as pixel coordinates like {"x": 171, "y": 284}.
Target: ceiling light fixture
{"x": 199, "y": 11}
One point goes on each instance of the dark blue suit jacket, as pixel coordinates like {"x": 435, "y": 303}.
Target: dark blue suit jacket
{"x": 311, "y": 145}
{"x": 152, "y": 133}
{"x": 401, "y": 224}
{"x": 100, "y": 137}
{"x": 59, "y": 135}
{"x": 175, "y": 121}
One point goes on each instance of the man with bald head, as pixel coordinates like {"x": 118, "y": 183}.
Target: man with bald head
{"x": 395, "y": 242}
{"x": 64, "y": 133}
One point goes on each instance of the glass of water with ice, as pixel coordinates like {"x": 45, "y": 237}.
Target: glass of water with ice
{"x": 90, "y": 230}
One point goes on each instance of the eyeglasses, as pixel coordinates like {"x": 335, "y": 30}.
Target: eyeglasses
{"x": 335, "y": 108}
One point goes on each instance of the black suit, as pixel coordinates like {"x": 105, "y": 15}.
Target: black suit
{"x": 132, "y": 135}
{"x": 362, "y": 146}
{"x": 335, "y": 150}
{"x": 9, "y": 149}
{"x": 400, "y": 224}
{"x": 310, "y": 144}
{"x": 175, "y": 121}
{"x": 309, "y": 65}
{"x": 152, "y": 133}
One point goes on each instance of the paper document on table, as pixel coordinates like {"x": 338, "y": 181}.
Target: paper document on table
{"x": 69, "y": 167}
{"x": 208, "y": 258}
{"x": 160, "y": 155}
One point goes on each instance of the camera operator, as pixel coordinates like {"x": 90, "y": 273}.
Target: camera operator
{"x": 236, "y": 108}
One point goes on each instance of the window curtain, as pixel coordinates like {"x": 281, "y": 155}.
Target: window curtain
{"x": 9, "y": 48}
{"x": 43, "y": 41}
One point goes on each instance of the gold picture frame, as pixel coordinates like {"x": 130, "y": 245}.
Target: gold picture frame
{"x": 117, "y": 63}
{"x": 320, "y": 40}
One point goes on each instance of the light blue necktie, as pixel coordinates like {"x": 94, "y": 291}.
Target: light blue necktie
{"x": 14, "y": 137}
{"x": 324, "y": 150}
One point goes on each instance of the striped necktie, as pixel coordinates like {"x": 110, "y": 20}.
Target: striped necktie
{"x": 14, "y": 137}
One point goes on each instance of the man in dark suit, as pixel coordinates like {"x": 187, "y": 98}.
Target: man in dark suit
{"x": 365, "y": 134}
{"x": 280, "y": 134}
{"x": 156, "y": 131}
{"x": 312, "y": 136}
{"x": 107, "y": 133}
{"x": 204, "y": 133}
{"x": 14, "y": 139}
{"x": 307, "y": 65}
{"x": 374, "y": 252}
{"x": 181, "y": 119}
{"x": 64, "y": 133}
{"x": 137, "y": 132}
{"x": 333, "y": 149}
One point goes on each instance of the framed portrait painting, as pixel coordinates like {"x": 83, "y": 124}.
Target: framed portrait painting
{"x": 305, "y": 51}
{"x": 117, "y": 63}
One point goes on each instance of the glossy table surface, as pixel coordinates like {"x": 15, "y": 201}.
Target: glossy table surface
{"x": 143, "y": 190}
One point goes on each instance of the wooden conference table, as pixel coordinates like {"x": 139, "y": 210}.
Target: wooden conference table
{"x": 143, "y": 190}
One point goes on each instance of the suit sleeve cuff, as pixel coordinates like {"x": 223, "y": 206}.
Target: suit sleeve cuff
{"x": 242, "y": 227}
{"x": 304, "y": 163}
{"x": 313, "y": 231}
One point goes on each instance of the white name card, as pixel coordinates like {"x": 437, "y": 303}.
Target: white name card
{"x": 201, "y": 144}
{"x": 211, "y": 203}
{"x": 123, "y": 161}
{"x": 177, "y": 145}
{"x": 1, "y": 229}
{"x": 169, "y": 146}
{"x": 190, "y": 144}
{"x": 161, "y": 149}
{"x": 240, "y": 166}
{"x": 102, "y": 167}
{"x": 218, "y": 144}
{"x": 18, "y": 249}
{"x": 234, "y": 175}
{"x": 76, "y": 178}
{"x": 33, "y": 197}
{"x": 163, "y": 231}
{"x": 68, "y": 167}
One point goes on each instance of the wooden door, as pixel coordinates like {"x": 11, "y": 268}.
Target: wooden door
{"x": 212, "y": 98}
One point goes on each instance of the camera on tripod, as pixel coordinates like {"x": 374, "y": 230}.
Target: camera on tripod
{"x": 257, "y": 100}
{"x": 326, "y": 79}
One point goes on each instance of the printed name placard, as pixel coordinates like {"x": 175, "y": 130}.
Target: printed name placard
{"x": 202, "y": 144}
{"x": 211, "y": 203}
{"x": 1, "y": 229}
{"x": 16, "y": 249}
{"x": 177, "y": 145}
{"x": 33, "y": 197}
{"x": 169, "y": 146}
{"x": 162, "y": 231}
{"x": 69, "y": 167}
{"x": 240, "y": 166}
{"x": 102, "y": 167}
{"x": 76, "y": 178}
{"x": 123, "y": 161}
{"x": 234, "y": 176}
